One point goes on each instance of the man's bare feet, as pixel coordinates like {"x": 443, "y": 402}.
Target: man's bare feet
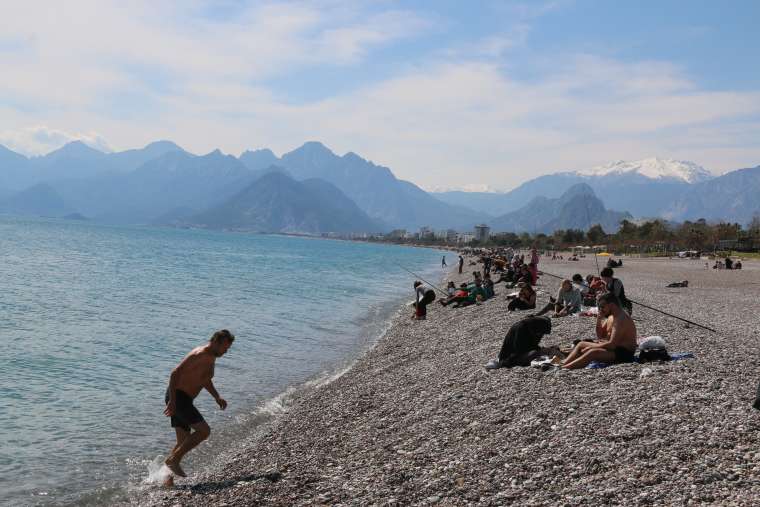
{"x": 169, "y": 481}
{"x": 174, "y": 467}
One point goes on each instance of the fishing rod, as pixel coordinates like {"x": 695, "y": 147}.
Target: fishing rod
{"x": 652, "y": 308}
{"x": 418, "y": 276}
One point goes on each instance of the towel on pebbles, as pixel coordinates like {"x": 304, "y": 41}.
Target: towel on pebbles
{"x": 678, "y": 356}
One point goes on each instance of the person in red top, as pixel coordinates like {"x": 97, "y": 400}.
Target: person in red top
{"x": 534, "y": 256}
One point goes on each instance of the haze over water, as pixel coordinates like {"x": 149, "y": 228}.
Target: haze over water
{"x": 93, "y": 318}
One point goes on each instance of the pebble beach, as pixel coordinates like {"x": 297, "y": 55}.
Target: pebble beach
{"x": 418, "y": 420}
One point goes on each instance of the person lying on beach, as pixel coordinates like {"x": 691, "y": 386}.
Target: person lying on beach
{"x": 525, "y": 299}
{"x": 520, "y": 344}
{"x": 685, "y": 283}
{"x": 458, "y": 295}
{"x": 568, "y": 301}
{"x": 475, "y": 294}
{"x": 194, "y": 373}
{"x": 507, "y": 276}
{"x": 616, "y": 332}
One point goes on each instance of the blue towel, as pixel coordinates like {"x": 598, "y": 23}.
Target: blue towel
{"x": 676, "y": 356}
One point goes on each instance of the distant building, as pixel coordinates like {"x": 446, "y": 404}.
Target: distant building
{"x": 482, "y": 232}
{"x": 465, "y": 237}
{"x": 426, "y": 233}
{"x": 397, "y": 234}
{"x": 451, "y": 235}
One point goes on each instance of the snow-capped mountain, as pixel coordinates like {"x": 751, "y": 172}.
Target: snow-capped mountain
{"x": 654, "y": 168}
{"x": 644, "y": 188}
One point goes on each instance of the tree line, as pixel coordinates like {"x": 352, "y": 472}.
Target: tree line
{"x": 648, "y": 237}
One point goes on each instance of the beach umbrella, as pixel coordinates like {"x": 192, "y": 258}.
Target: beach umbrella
{"x": 603, "y": 254}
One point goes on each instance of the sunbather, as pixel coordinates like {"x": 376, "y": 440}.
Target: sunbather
{"x": 616, "y": 332}
{"x": 525, "y": 299}
{"x": 568, "y": 301}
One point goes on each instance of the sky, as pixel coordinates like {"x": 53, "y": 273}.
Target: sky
{"x": 448, "y": 94}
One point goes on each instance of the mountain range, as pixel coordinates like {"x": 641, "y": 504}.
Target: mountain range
{"x": 164, "y": 184}
{"x": 647, "y": 188}
{"x": 277, "y": 202}
{"x": 577, "y": 208}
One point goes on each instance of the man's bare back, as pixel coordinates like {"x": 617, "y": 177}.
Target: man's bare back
{"x": 197, "y": 371}
{"x": 616, "y": 333}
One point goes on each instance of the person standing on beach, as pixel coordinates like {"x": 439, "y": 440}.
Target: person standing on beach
{"x": 194, "y": 373}
{"x": 422, "y": 298}
{"x": 443, "y": 262}
{"x": 461, "y": 263}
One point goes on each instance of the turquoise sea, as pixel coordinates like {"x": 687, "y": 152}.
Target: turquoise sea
{"x": 93, "y": 318}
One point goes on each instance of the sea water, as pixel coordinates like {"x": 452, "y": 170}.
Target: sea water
{"x": 93, "y": 318}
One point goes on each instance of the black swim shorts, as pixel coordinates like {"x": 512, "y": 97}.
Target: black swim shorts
{"x": 623, "y": 355}
{"x": 185, "y": 413}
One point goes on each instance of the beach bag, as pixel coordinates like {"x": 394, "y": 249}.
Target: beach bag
{"x": 649, "y": 355}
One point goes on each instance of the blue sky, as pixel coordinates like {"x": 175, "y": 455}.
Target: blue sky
{"x": 448, "y": 94}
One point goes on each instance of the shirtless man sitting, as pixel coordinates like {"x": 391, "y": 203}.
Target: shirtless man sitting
{"x": 185, "y": 383}
{"x": 616, "y": 333}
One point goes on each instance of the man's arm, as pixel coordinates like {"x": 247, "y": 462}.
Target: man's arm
{"x": 209, "y": 386}
{"x": 601, "y": 327}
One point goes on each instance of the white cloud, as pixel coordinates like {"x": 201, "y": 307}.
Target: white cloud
{"x": 446, "y": 120}
{"x": 42, "y": 139}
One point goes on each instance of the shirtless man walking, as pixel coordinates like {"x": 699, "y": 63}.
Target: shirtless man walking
{"x": 185, "y": 383}
{"x": 617, "y": 337}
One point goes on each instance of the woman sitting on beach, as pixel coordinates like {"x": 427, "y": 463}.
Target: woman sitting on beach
{"x": 525, "y": 299}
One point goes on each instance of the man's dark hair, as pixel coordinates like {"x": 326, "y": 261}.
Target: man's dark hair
{"x": 417, "y": 283}
{"x": 577, "y": 278}
{"x": 608, "y": 298}
{"x": 222, "y": 334}
{"x": 607, "y": 272}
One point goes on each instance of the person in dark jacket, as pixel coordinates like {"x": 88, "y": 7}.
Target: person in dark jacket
{"x": 521, "y": 342}
{"x": 615, "y": 286}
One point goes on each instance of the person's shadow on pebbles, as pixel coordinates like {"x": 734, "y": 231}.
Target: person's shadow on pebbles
{"x": 214, "y": 486}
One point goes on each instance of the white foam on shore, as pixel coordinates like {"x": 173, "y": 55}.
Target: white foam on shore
{"x": 157, "y": 471}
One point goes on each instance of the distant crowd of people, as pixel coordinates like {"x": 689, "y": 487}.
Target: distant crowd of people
{"x": 518, "y": 273}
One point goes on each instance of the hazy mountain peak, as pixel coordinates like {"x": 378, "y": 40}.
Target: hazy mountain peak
{"x": 578, "y": 189}
{"x": 654, "y": 168}
{"x": 314, "y": 149}
{"x": 257, "y": 160}
{"x": 259, "y": 152}
{"x": 163, "y": 145}
{"x": 4, "y": 150}
{"x": 75, "y": 149}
